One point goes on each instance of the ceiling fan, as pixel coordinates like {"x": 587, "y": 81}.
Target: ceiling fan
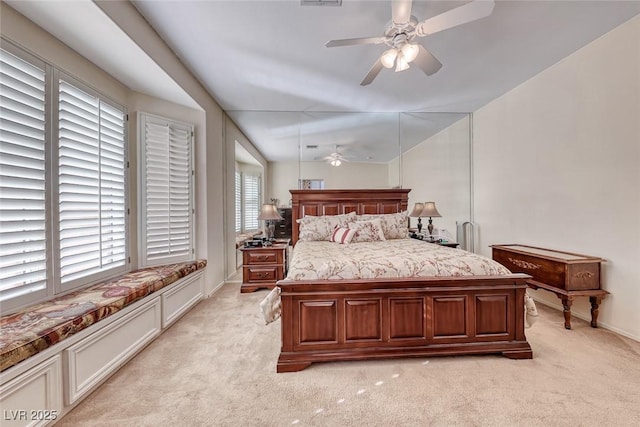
{"x": 334, "y": 159}
{"x": 403, "y": 30}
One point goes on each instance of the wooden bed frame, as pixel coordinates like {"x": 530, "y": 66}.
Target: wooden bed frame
{"x": 335, "y": 320}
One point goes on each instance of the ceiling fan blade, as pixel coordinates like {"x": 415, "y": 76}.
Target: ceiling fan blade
{"x": 426, "y": 61}
{"x": 401, "y": 11}
{"x": 452, "y": 18}
{"x": 358, "y": 41}
{"x": 373, "y": 73}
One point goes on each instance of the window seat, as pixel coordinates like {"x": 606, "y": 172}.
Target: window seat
{"x": 38, "y": 327}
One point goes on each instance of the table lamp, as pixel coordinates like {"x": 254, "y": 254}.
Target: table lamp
{"x": 430, "y": 211}
{"x": 417, "y": 212}
{"x": 270, "y": 214}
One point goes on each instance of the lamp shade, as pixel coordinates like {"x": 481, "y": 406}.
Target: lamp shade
{"x": 410, "y": 52}
{"x": 269, "y": 212}
{"x": 417, "y": 210}
{"x": 430, "y": 210}
{"x": 401, "y": 63}
{"x": 389, "y": 58}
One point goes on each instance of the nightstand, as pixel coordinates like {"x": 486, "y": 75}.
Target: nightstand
{"x": 263, "y": 266}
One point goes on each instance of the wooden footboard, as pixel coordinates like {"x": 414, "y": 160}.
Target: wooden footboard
{"x": 325, "y": 321}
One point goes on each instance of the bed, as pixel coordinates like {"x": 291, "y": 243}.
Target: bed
{"x": 332, "y": 316}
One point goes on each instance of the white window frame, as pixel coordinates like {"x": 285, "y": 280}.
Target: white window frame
{"x": 238, "y": 201}
{"x": 15, "y": 298}
{"x": 64, "y": 286}
{"x": 258, "y": 178}
{"x": 53, "y": 285}
{"x": 143, "y": 257}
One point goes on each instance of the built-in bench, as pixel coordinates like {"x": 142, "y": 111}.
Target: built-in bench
{"x": 63, "y": 348}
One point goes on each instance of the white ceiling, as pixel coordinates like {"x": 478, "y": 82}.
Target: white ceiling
{"x": 266, "y": 64}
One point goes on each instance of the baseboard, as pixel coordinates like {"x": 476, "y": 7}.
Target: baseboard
{"x": 215, "y": 289}
{"x": 587, "y": 318}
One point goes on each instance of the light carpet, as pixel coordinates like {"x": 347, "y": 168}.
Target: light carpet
{"x": 216, "y": 367}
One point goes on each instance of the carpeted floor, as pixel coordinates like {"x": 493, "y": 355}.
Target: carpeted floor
{"x": 216, "y": 367}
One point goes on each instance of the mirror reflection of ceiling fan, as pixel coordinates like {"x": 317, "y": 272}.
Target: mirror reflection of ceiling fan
{"x": 403, "y": 30}
{"x": 334, "y": 159}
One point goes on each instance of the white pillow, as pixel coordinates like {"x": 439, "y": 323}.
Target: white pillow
{"x": 367, "y": 231}
{"x": 394, "y": 226}
{"x": 314, "y": 228}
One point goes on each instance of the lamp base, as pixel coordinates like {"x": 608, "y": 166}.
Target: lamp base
{"x": 430, "y": 227}
{"x": 419, "y": 225}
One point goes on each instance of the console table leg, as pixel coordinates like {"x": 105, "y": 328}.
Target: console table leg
{"x": 595, "y": 303}
{"x": 566, "y": 305}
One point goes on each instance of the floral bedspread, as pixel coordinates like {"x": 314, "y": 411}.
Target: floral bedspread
{"x": 320, "y": 260}
{"x": 38, "y": 327}
{"x": 388, "y": 258}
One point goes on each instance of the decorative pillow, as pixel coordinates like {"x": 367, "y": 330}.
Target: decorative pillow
{"x": 394, "y": 226}
{"x": 367, "y": 231}
{"x": 342, "y": 235}
{"x": 314, "y": 228}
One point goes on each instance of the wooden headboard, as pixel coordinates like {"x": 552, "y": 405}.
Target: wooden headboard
{"x": 336, "y": 202}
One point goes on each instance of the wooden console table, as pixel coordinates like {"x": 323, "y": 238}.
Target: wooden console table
{"x": 566, "y": 274}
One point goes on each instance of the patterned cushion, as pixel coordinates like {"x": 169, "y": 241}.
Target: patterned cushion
{"x": 367, "y": 231}
{"x": 40, "y": 326}
{"x": 342, "y": 235}
{"x": 394, "y": 226}
{"x": 314, "y": 228}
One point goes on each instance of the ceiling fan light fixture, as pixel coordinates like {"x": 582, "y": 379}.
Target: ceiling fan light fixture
{"x": 335, "y": 162}
{"x": 401, "y": 63}
{"x": 410, "y": 52}
{"x": 388, "y": 58}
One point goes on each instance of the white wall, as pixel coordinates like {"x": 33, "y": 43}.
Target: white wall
{"x": 437, "y": 170}
{"x": 283, "y": 176}
{"x": 211, "y": 162}
{"x": 557, "y": 165}
{"x": 232, "y": 134}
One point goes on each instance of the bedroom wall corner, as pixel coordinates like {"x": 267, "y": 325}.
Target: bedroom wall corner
{"x": 557, "y": 165}
{"x": 210, "y": 150}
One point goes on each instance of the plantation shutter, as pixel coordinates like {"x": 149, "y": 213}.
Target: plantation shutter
{"x": 238, "y": 202}
{"x": 91, "y": 184}
{"x": 23, "y": 255}
{"x": 167, "y": 200}
{"x": 251, "y": 201}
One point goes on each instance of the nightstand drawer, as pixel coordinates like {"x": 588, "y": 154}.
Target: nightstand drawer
{"x": 263, "y": 256}
{"x": 262, "y": 273}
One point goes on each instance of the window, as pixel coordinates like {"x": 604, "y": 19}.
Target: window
{"x": 251, "y": 201}
{"x": 91, "y": 184}
{"x": 166, "y": 193}
{"x": 62, "y": 145}
{"x": 238, "y": 201}
{"x": 24, "y": 273}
